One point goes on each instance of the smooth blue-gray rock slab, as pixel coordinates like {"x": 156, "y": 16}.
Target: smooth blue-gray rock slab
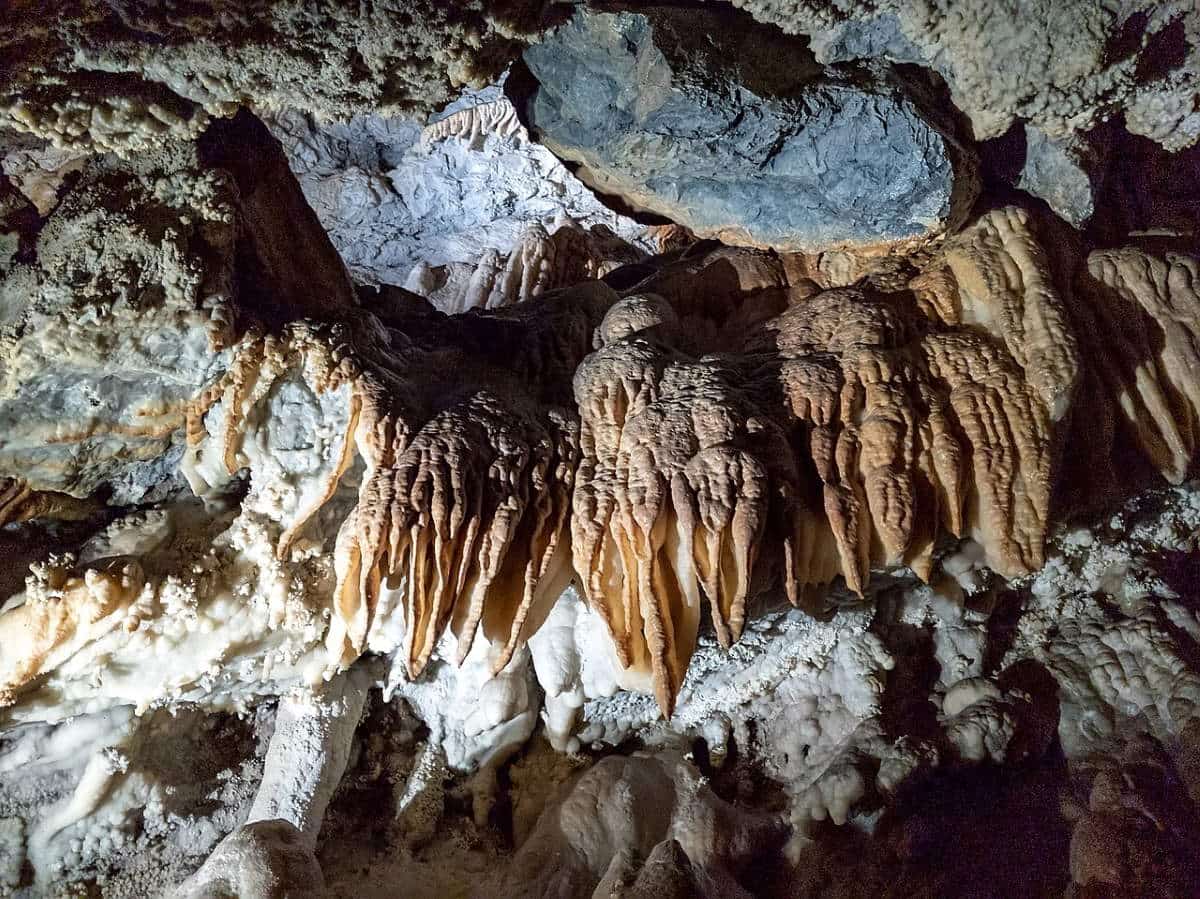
{"x": 731, "y": 129}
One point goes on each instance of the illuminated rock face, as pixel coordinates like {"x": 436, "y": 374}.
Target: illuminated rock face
{"x": 745, "y": 140}
{"x": 129, "y": 303}
{"x": 724, "y": 427}
{"x": 577, "y": 566}
{"x": 459, "y": 210}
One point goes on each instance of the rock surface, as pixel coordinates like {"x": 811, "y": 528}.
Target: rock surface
{"x": 95, "y": 80}
{"x": 1141, "y": 58}
{"x": 744, "y": 139}
{"x": 459, "y": 194}
{"x": 132, "y": 300}
{"x": 317, "y": 589}
{"x": 607, "y": 833}
{"x": 1066, "y": 173}
{"x": 261, "y": 860}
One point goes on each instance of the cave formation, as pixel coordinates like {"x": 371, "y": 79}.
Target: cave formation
{"x": 601, "y": 449}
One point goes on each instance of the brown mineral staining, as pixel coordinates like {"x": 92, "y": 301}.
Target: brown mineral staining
{"x": 62, "y": 612}
{"x": 464, "y": 516}
{"x": 383, "y": 563}
{"x": 852, "y": 427}
{"x": 670, "y": 238}
{"x": 463, "y": 503}
{"x": 1142, "y": 313}
{"x": 19, "y": 503}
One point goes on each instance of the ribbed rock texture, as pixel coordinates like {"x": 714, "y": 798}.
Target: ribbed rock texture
{"x": 729, "y": 423}
{"x": 731, "y": 130}
{"x": 738, "y": 420}
{"x": 545, "y": 561}
{"x": 835, "y": 429}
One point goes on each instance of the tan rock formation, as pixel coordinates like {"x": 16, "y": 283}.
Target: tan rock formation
{"x": 545, "y": 259}
{"x": 851, "y": 428}
{"x": 736, "y": 421}
{"x": 1140, "y": 313}
{"x": 287, "y": 557}
{"x": 465, "y": 485}
{"x": 19, "y": 503}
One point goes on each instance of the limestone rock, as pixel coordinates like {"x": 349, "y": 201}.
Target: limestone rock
{"x": 608, "y": 830}
{"x": 294, "y": 567}
{"x": 39, "y": 171}
{"x": 735, "y": 423}
{"x": 128, "y": 307}
{"x": 12, "y": 853}
{"x": 18, "y": 224}
{"x": 262, "y": 860}
{"x": 96, "y": 81}
{"x": 1066, "y": 172}
{"x": 1139, "y": 57}
{"x": 731, "y": 130}
{"x": 116, "y": 325}
{"x": 464, "y": 486}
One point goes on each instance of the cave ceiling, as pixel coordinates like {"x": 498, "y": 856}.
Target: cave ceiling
{"x": 604, "y": 449}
